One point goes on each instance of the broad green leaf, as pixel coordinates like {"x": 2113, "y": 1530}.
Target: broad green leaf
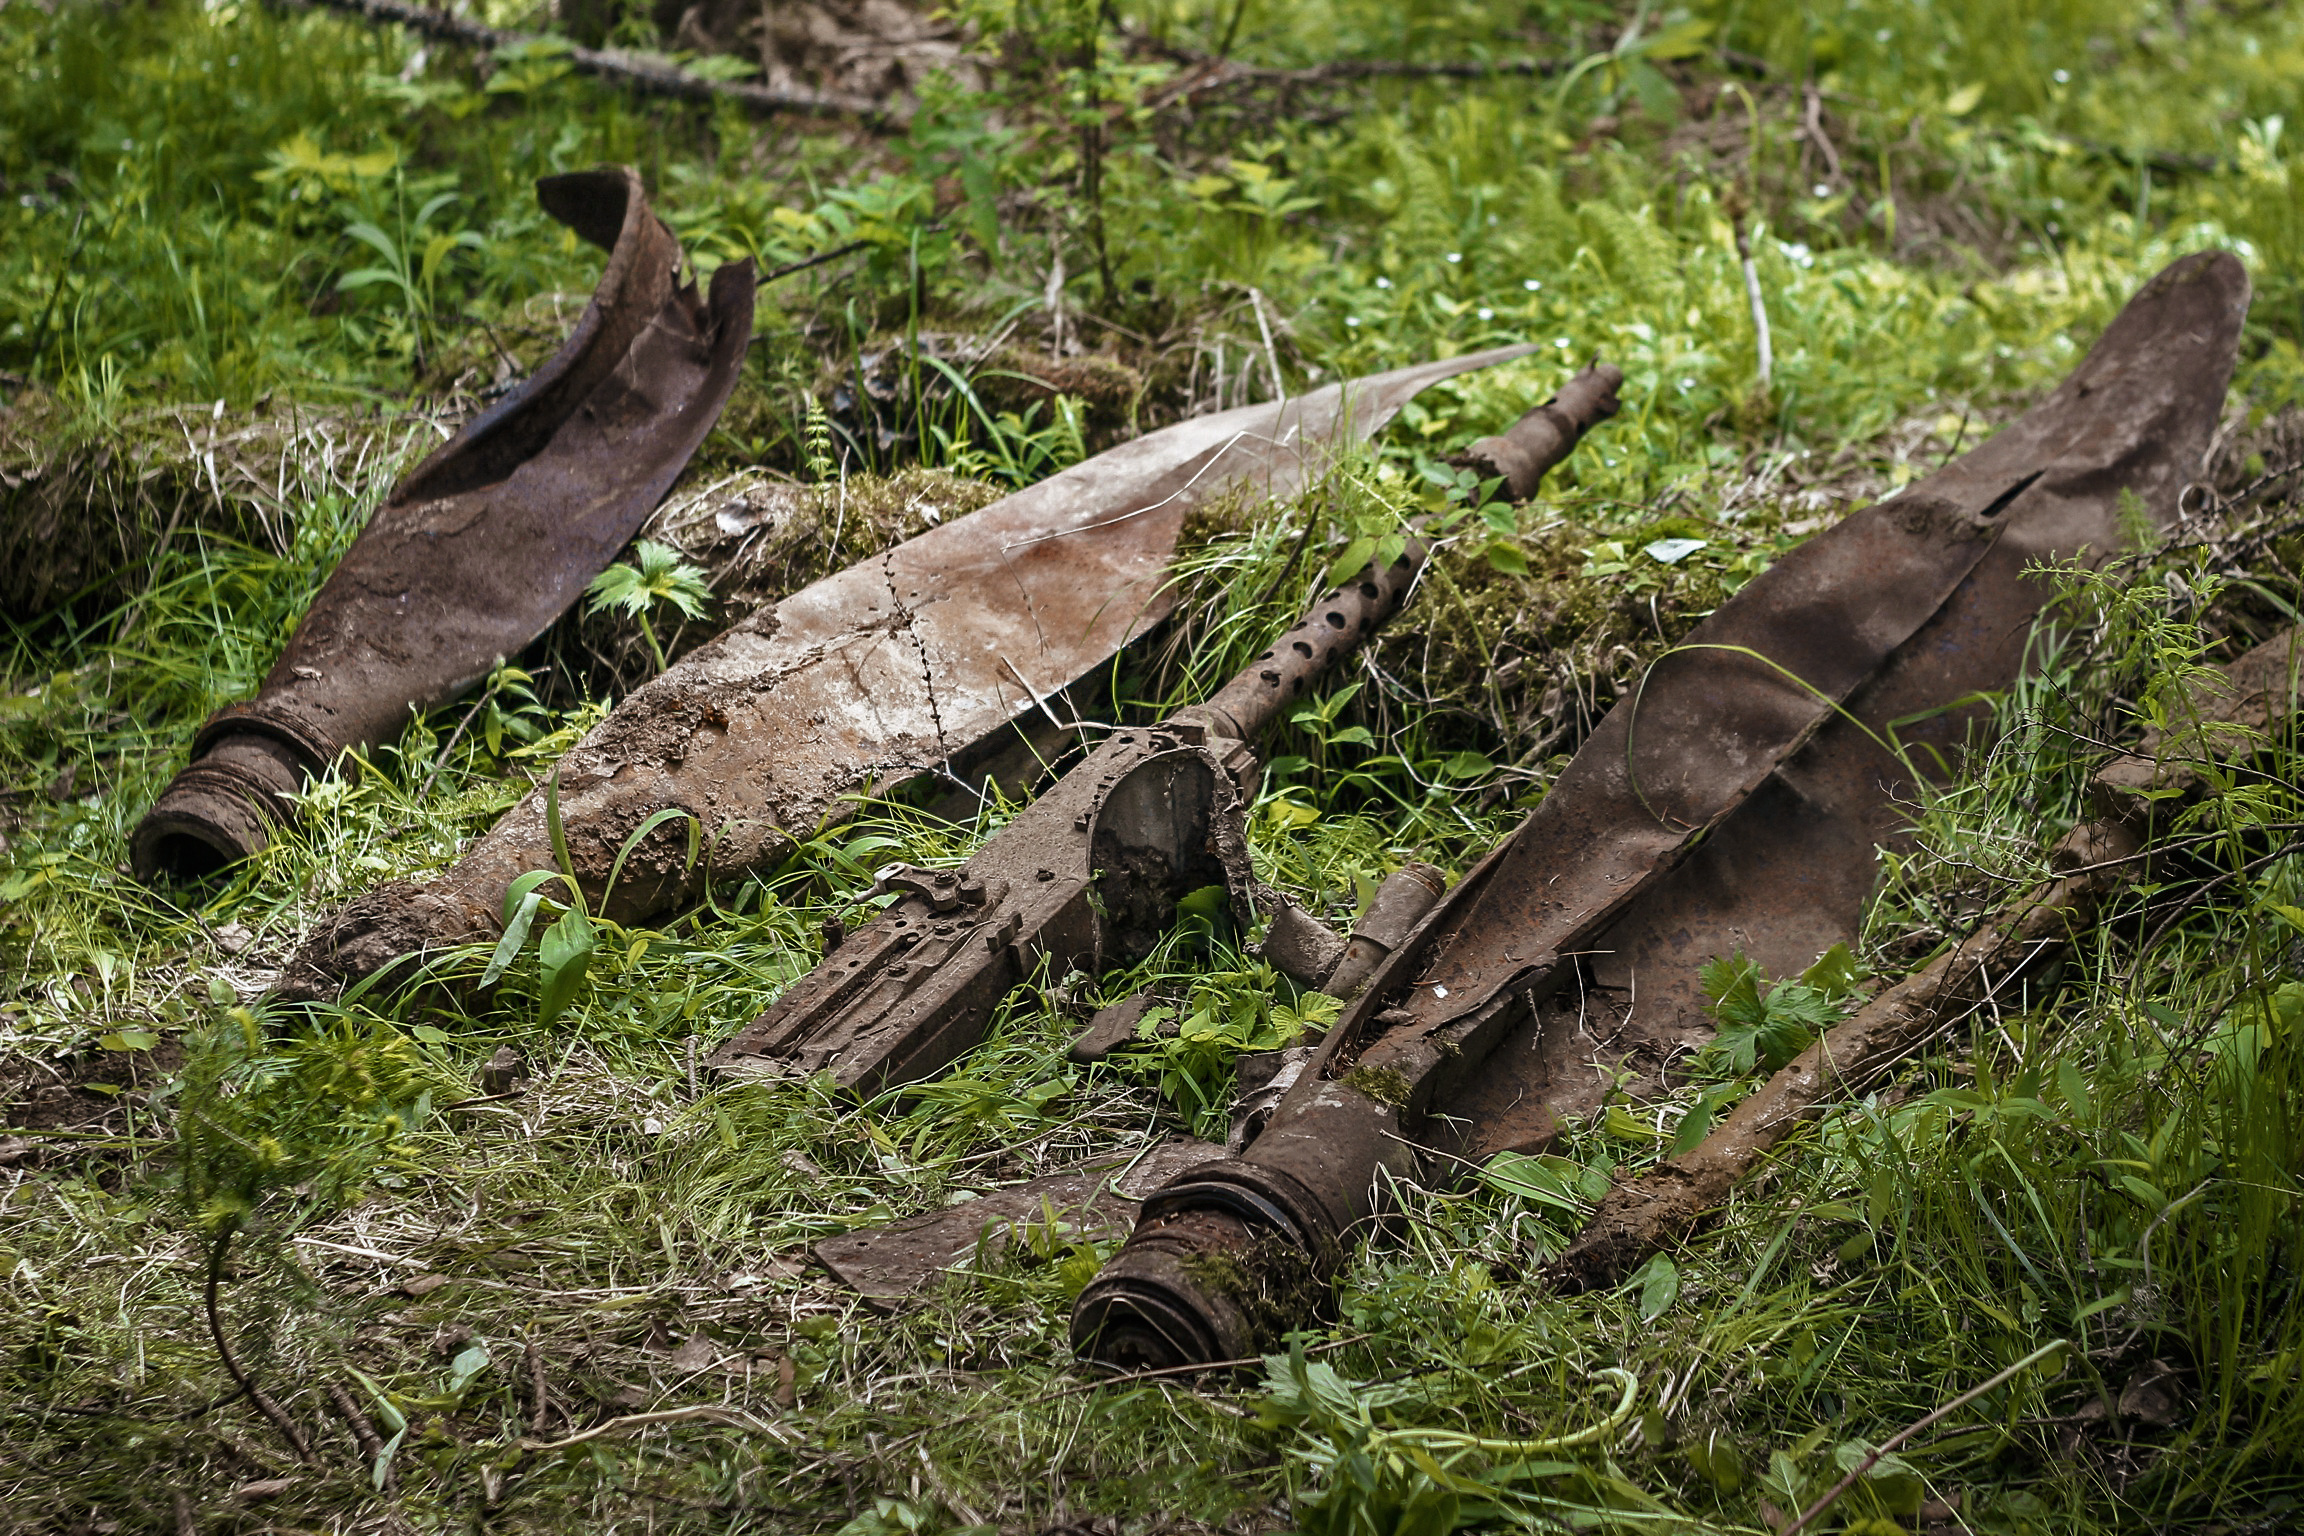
{"x": 564, "y": 956}
{"x": 469, "y": 1362}
{"x": 1835, "y": 973}
{"x": 1506, "y": 556}
{"x": 1517, "y": 1173}
{"x": 1352, "y": 562}
{"x": 1659, "y": 1287}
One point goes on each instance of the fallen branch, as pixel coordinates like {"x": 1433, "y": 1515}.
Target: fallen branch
{"x": 647, "y": 76}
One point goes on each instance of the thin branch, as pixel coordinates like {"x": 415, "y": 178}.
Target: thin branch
{"x": 271, "y": 1410}
{"x": 1905, "y": 1434}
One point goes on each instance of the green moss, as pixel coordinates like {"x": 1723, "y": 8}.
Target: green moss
{"x": 1386, "y": 1085}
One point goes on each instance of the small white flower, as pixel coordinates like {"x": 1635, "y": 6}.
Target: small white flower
{"x": 1530, "y": 284}
{"x": 1820, "y": 190}
{"x": 1454, "y": 257}
{"x": 1351, "y": 319}
{"x": 2062, "y": 77}
{"x": 1561, "y": 342}
{"x": 1487, "y": 314}
{"x": 1383, "y": 282}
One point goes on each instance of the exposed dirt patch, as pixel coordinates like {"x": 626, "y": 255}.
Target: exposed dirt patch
{"x": 91, "y": 1092}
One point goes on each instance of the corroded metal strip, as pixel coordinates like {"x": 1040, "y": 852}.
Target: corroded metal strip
{"x": 488, "y": 540}
{"x": 1734, "y": 804}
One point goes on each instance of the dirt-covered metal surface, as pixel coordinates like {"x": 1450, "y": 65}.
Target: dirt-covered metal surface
{"x": 890, "y": 1265}
{"x": 1733, "y": 803}
{"x": 488, "y": 540}
{"x": 908, "y": 664}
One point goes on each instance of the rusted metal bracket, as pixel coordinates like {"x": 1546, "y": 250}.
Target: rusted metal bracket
{"x": 487, "y": 541}
{"x": 1087, "y": 877}
{"x": 1741, "y": 813}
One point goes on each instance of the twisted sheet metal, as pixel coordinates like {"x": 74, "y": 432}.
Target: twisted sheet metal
{"x": 487, "y": 541}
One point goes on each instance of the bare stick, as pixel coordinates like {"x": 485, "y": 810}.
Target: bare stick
{"x": 539, "y": 1398}
{"x": 1760, "y": 337}
{"x": 1905, "y": 1434}
{"x": 363, "y": 1431}
{"x": 271, "y": 1410}
{"x": 2252, "y": 694}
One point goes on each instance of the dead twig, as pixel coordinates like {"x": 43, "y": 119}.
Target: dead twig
{"x": 1918, "y": 1427}
{"x": 363, "y": 1430}
{"x": 272, "y": 1411}
{"x": 539, "y": 1397}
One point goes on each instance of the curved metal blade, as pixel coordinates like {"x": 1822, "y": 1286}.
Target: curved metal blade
{"x": 874, "y": 676}
{"x": 488, "y": 541}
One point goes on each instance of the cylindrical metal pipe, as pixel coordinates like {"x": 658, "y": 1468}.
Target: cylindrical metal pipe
{"x": 1216, "y": 1259}
{"x": 487, "y": 541}
{"x": 1345, "y": 616}
{"x": 1338, "y": 623}
{"x": 1531, "y": 446}
{"x": 1401, "y": 902}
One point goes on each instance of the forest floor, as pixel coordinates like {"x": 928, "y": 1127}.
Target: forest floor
{"x": 258, "y": 259}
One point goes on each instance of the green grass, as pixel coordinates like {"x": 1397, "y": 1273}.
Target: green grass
{"x": 2112, "y": 1162}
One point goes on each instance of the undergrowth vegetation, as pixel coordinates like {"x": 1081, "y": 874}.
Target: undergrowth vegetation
{"x": 513, "y": 1263}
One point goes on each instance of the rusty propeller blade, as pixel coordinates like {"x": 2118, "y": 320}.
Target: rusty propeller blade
{"x": 2096, "y": 859}
{"x": 1733, "y": 803}
{"x": 487, "y": 541}
{"x": 905, "y": 665}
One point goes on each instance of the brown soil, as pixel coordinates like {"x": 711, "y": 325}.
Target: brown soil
{"x": 88, "y": 1091}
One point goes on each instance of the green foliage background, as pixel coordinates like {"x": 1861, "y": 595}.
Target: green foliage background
{"x": 259, "y": 210}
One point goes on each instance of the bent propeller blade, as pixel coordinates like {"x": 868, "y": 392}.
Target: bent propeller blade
{"x": 1733, "y": 803}
{"x": 487, "y": 542}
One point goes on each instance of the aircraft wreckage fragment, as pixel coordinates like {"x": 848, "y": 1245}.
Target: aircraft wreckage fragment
{"x": 1088, "y": 877}
{"x": 927, "y": 659}
{"x": 1733, "y": 803}
{"x": 2255, "y": 693}
{"x": 487, "y": 541}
